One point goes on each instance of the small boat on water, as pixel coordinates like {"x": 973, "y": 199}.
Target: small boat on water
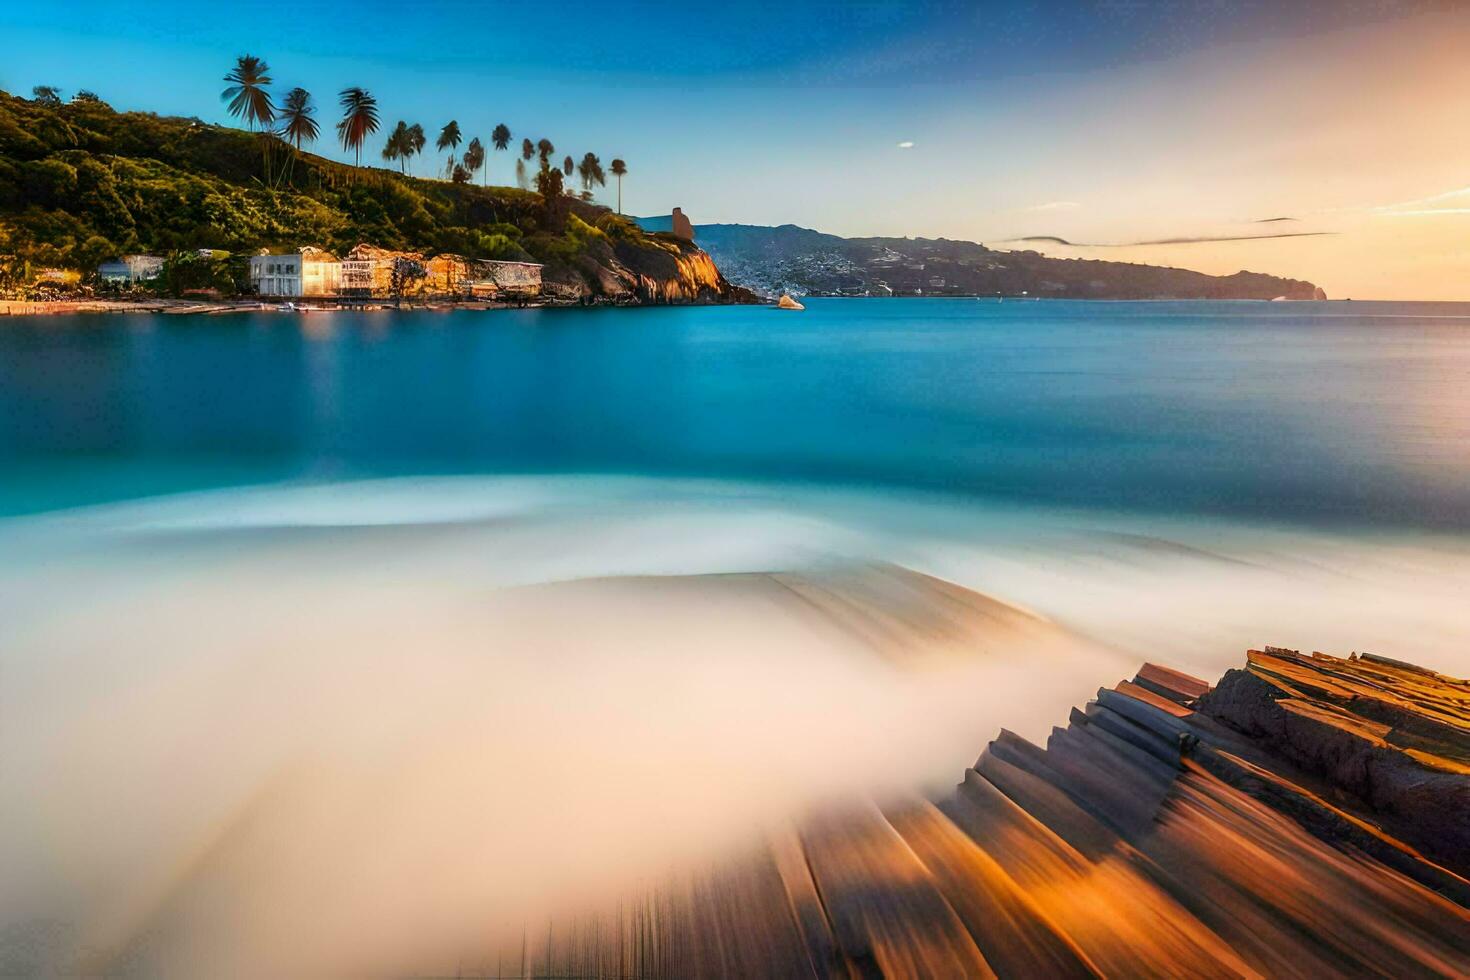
{"x": 787, "y": 303}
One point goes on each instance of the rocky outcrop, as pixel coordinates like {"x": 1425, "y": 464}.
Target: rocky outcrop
{"x": 1304, "y": 818}
{"x": 1392, "y": 738}
{"x": 657, "y": 269}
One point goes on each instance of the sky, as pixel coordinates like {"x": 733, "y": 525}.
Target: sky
{"x": 1164, "y": 131}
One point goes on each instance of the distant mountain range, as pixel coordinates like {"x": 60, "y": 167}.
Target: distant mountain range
{"x": 787, "y": 258}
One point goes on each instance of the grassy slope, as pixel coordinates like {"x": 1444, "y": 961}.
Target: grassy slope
{"x": 80, "y": 184}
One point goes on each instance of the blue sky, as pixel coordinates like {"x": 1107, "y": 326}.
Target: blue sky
{"x": 1092, "y": 121}
{"x": 857, "y": 44}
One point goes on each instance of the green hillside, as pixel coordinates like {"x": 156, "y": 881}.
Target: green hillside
{"x": 81, "y": 183}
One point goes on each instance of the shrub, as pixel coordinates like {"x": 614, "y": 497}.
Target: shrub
{"x": 49, "y": 182}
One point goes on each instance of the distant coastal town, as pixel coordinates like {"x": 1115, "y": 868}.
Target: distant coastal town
{"x": 309, "y": 275}
{"x": 365, "y": 272}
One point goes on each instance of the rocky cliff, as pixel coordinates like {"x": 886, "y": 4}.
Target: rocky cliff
{"x": 654, "y": 270}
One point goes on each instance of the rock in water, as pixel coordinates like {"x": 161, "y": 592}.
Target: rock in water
{"x": 787, "y": 303}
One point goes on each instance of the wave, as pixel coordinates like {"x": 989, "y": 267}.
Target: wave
{"x": 318, "y": 729}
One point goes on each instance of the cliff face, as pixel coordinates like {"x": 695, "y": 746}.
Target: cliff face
{"x": 654, "y": 270}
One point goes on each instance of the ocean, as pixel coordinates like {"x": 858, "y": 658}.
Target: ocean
{"x": 1342, "y": 412}
{"x": 420, "y": 627}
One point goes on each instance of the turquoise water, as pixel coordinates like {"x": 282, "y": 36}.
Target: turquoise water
{"x": 1357, "y": 412}
{"x": 456, "y": 575}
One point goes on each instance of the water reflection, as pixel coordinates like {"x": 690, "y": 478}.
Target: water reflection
{"x": 1320, "y": 411}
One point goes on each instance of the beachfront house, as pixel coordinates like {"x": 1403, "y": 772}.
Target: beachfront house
{"x": 131, "y": 269}
{"x": 308, "y": 271}
{"x": 372, "y": 272}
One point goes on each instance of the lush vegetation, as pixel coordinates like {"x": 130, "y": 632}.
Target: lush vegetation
{"x": 81, "y": 183}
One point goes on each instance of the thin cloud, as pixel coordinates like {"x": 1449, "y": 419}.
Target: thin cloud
{"x": 1417, "y": 205}
{"x": 1054, "y": 206}
{"x": 1235, "y": 238}
{"x": 1054, "y": 240}
{"x": 906, "y": 145}
{"x": 1049, "y": 240}
{"x": 1447, "y": 195}
{"x": 1423, "y": 211}
{"x": 1267, "y": 221}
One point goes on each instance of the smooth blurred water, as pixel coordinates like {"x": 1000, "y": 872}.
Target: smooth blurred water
{"x": 1357, "y": 412}
{"x": 335, "y": 725}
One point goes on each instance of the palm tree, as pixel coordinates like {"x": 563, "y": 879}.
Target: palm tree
{"x": 297, "y": 122}
{"x": 590, "y": 170}
{"x": 500, "y": 139}
{"x": 246, "y": 97}
{"x": 567, "y": 166}
{"x": 528, "y": 150}
{"x": 399, "y": 146}
{"x": 448, "y": 140}
{"x": 544, "y": 149}
{"x": 246, "y": 94}
{"x": 548, "y": 185}
{"x": 359, "y": 119}
{"x": 416, "y": 141}
{"x": 474, "y": 156}
{"x": 619, "y": 168}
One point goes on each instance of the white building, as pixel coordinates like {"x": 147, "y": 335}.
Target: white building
{"x": 131, "y": 268}
{"x": 307, "y": 271}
